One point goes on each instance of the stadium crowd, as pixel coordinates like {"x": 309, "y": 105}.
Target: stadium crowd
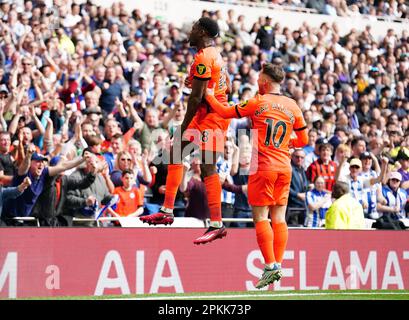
{"x": 89, "y": 99}
{"x": 387, "y": 10}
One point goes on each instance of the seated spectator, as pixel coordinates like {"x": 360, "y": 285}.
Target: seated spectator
{"x": 194, "y": 190}
{"x": 318, "y": 200}
{"x": 345, "y": 212}
{"x": 396, "y": 197}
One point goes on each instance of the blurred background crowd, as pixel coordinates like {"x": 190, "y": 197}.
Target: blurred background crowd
{"x": 106, "y": 85}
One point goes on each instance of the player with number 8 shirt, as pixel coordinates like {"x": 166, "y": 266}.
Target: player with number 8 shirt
{"x": 275, "y": 117}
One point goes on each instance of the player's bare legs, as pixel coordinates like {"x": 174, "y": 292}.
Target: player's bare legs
{"x": 266, "y": 239}
{"x": 213, "y": 190}
{"x": 173, "y": 181}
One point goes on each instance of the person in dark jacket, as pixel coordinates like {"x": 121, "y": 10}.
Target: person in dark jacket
{"x": 299, "y": 186}
{"x": 48, "y": 208}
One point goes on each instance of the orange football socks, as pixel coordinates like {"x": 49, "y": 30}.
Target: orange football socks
{"x": 265, "y": 239}
{"x": 214, "y": 192}
{"x": 173, "y": 181}
{"x": 280, "y": 240}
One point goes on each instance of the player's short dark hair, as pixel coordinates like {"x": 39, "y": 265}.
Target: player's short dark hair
{"x": 275, "y": 72}
{"x": 210, "y": 26}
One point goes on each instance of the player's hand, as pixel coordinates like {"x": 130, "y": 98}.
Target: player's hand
{"x": 188, "y": 83}
{"x": 162, "y": 189}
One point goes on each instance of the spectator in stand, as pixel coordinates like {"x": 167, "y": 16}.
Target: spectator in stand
{"x": 86, "y": 202}
{"x": 312, "y": 138}
{"x": 33, "y": 166}
{"x": 317, "y": 200}
{"x": 7, "y": 168}
{"x": 193, "y": 188}
{"x": 298, "y": 188}
{"x": 323, "y": 167}
{"x": 373, "y": 194}
{"x": 396, "y": 197}
{"x": 130, "y": 203}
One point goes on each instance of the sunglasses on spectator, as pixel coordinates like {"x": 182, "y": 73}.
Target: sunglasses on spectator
{"x": 126, "y": 159}
{"x": 299, "y": 157}
{"x": 395, "y": 180}
{"x": 354, "y": 167}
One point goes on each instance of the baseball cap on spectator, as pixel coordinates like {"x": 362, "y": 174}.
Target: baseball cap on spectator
{"x": 365, "y": 155}
{"x": 143, "y": 76}
{"x": 3, "y": 88}
{"x": 174, "y": 84}
{"x": 355, "y": 162}
{"x": 138, "y": 34}
{"x": 395, "y": 175}
{"x": 38, "y": 157}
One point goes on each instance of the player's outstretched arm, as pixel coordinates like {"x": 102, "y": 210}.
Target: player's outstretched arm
{"x": 302, "y": 138}
{"x": 226, "y": 112}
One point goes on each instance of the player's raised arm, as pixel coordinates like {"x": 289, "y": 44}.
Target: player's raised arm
{"x": 239, "y": 110}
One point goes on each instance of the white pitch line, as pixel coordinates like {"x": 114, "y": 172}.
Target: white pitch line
{"x": 264, "y": 295}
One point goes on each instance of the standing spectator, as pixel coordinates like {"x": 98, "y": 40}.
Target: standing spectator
{"x": 345, "y": 212}
{"x": 312, "y": 138}
{"x": 373, "y": 194}
{"x": 358, "y": 183}
{"x": 194, "y": 190}
{"x": 324, "y": 166}
{"x": 130, "y": 202}
{"x": 79, "y": 202}
{"x": 265, "y": 37}
{"x": 50, "y": 203}
{"x": 318, "y": 200}
{"x": 111, "y": 89}
{"x": 299, "y": 186}
{"x": 33, "y": 166}
{"x": 7, "y": 168}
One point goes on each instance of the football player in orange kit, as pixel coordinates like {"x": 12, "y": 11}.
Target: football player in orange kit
{"x": 203, "y": 127}
{"x": 275, "y": 117}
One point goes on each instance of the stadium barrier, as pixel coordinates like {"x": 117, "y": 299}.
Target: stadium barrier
{"x": 37, "y": 262}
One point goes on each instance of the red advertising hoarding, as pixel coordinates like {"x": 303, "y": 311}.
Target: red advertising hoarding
{"x": 38, "y": 262}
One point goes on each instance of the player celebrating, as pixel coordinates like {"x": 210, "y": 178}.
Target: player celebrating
{"x": 202, "y": 127}
{"x": 275, "y": 117}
